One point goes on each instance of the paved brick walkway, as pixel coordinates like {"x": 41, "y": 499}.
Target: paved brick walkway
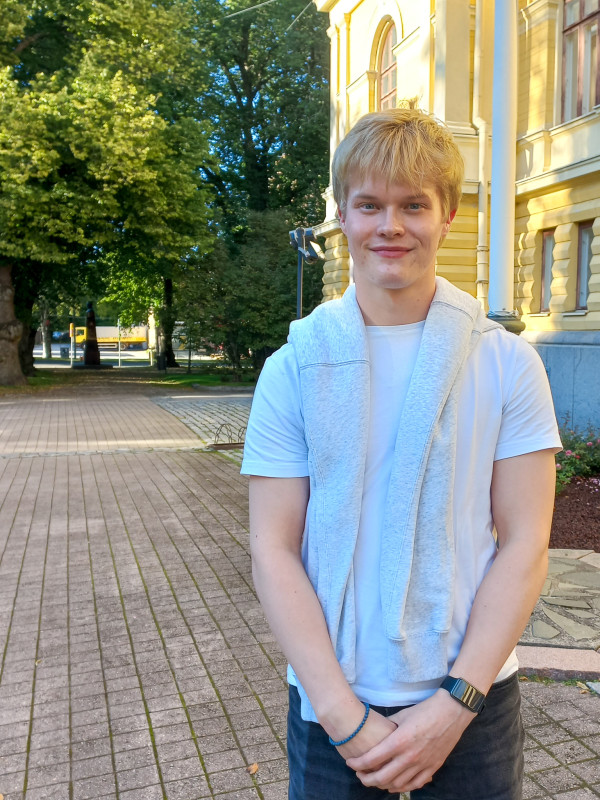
{"x": 135, "y": 662}
{"x": 217, "y": 420}
{"x": 211, "y": 417}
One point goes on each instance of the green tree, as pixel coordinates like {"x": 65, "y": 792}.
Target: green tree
{"x": 250, "y": 300}
{"x": 268, "y": 99}
{"x": 99, "y": 149}
{"x": 268, "y": 102}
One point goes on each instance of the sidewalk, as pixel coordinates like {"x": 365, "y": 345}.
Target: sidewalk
{"x": 135, "y": 662}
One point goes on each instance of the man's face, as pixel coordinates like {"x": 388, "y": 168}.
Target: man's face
{"x": 393, "y": 236}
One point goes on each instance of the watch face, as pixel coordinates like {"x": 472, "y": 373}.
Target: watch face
{"x": 466, "y": 694}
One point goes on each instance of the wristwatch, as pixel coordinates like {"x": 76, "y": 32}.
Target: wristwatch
{"x": 464, "y": 693}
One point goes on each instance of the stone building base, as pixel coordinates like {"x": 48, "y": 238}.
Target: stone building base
{"x": 572, "y": 361}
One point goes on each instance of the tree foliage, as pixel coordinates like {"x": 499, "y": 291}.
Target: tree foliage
{"x": 268, "y": 100}
{"x": 100, "y": 145}
{"x": 125, "y": 125}
{"x": 250, "y": 299}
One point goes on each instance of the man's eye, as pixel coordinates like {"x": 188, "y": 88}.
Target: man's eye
{"x": 367, "y": 206}
{"x": 415, "y": 206}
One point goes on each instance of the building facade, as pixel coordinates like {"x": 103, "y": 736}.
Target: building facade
{"x": 455, "y": 56}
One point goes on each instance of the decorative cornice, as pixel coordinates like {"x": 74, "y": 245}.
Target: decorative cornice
{"x": 403, "y": 42}
{"x": 324, "y": 5}
{"x": 584, "y": 338}
{"x": 362, "y": 78}
{"x": 327, "y": 227}
{"x": 554, "y": 177}
{"x": 540, "y": 11}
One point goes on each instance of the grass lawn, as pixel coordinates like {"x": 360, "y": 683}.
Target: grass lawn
{"x": 52, "y": 378}
{"x": 43, "y": 381}
{"x": 181, "y": 378}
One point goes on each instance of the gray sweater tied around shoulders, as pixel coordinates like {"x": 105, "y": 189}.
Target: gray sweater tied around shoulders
{"x": 417, "y": 541}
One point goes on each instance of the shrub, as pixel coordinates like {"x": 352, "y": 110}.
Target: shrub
{"x": 580, "y": 457}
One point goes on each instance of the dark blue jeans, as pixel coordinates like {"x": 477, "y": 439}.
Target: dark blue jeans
{"x": 486, "y": 764}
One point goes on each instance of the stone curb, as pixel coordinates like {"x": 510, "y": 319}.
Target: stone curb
{"x": 558, "y": 663}
{"x": 222, "y": 390}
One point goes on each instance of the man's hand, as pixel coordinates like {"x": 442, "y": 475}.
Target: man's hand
{"x": 408, "y": 757}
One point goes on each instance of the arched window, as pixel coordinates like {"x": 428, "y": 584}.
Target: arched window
{"x": 387, "y": 71}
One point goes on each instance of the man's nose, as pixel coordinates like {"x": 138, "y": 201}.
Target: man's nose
{"x": 392, "y": 222}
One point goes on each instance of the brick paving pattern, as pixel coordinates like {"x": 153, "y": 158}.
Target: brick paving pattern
{"x": 206, "y": 416}
{"x": 562, "y": 756}
{"x": 59, "y": 425}
{"x": 134, "y": 658}
{"x": 215, "y": 421}
{"x": 135, "y": 663}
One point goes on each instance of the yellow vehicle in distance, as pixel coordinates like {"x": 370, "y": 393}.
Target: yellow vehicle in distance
{"x": 134, "y": 338}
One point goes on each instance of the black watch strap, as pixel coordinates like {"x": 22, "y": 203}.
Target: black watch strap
{"x": 464, "y": 693}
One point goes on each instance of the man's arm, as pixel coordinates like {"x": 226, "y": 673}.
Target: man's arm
{"x": 522, "y": 503}
{"x": 277, "y": 515}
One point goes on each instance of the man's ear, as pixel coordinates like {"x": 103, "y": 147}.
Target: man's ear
{"x": 447, "y": 224}
{"x": 342, "y": 218}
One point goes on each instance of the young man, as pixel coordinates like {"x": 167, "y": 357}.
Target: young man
{"x": 388, "y": 439}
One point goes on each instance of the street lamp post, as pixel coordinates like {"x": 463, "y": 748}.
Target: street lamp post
{"x": 305, "y": 242}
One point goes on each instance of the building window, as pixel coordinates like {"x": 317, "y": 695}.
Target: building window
{"x": 547, "y": 261}
{"x": 387, "y": 71}
{"x": 581, "y": 50}
{"x": 584, "y": 259}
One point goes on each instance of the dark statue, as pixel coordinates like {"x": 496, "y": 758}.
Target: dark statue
{"x": 91, "y": 354}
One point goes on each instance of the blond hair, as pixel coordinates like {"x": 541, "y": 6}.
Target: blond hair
{"x": 403, "y": 145}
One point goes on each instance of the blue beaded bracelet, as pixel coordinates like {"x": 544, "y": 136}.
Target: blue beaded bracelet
{"x": 352, "y": 735}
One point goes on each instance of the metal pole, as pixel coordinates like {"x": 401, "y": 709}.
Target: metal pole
{"x": 72, "y": 344}
{"x": 504, "y": 127}
{"x": 119, "y": 335}
{"x": 299, "y": 282}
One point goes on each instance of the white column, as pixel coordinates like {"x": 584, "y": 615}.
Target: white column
{"x": 504, "y": 148}
{"x": 333, "y": 90}
{"x": 439, "y": 65}
{"x": 343, "y": 76}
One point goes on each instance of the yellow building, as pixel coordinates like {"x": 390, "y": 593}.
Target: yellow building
{"x": 518, "y": 84}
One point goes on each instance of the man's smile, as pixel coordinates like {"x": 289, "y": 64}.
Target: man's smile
{"x": 389, "y": 252}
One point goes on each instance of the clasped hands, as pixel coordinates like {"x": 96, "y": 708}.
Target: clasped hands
{"x": 401, "y": 752}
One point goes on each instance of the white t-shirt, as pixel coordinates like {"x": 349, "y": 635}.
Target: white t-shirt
{"x": 505, "y": 410}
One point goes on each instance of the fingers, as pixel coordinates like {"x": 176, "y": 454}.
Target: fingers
{"x": 406, "y": 781}
{"x": 374, "y": 758}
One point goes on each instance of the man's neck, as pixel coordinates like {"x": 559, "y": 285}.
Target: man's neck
{"x": 394, "y": 307}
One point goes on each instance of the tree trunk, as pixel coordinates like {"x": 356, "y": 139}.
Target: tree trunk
{"x": 26, "y": 346}
{"x": 10, "y": 333}
{"x": 260, "y": 356}
{"x": 167, "y": 321}
{"x": 233, "y": 354}
{"x": 27, "y": 341}
{"x": 46, "y": 339}
{"x": 257, "y": 179}
{"x": 26, "y": 278}
{"x": 46, "y": 327}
